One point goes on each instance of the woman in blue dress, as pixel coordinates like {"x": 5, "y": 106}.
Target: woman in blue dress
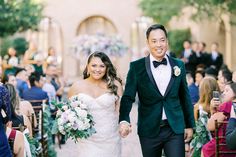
{"x": 5, "y": 115}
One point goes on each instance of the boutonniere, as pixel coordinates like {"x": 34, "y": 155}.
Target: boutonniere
{"x": 177, "y": 71}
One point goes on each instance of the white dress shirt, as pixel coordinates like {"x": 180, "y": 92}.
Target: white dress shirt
{"x": 161, "y": 75}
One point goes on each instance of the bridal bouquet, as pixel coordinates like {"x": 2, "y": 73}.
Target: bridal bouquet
{"x": 73, "y": 119}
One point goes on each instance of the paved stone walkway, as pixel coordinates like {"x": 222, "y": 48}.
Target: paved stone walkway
{"x": 130, "y": 145}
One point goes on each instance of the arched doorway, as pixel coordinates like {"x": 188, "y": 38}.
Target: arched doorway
{"x": 91, "y": 26}
{"x": 96, "y": 24}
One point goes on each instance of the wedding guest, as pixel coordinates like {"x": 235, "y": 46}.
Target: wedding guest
{"x": 234, "y": 76}
{"x": 10, "y": 62}
{"x": 16, "y": 141}
{"x": 199, "y": 75}
{"x": 21, "y": 81}
{"x": 5, "y": 117}
{"x": 231, "y": 129}
{"x": 52, "y": 57}
{"x": 35, "y": 92}
{"x": 32, "y": 56}
{"x": 193, "y": 89}
{"x": 189, "y": 57}
{"x": 215, "y": 58}
{"x": 202, "y": 114}
{"x": 11, "y": 79}
{"x": 222, "y": 114}
{"x": 17, "y": 119}
{"x": 101, "y": 90}
{"x": 164, "y": 99}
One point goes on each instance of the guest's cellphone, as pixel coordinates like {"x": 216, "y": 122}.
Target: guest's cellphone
{"x": 216, "y": 95}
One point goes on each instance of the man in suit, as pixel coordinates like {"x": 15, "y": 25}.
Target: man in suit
{"x": 165, "y": 112}
{"x": 215, "y": 58}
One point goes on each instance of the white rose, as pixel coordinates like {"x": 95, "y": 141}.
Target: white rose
{"x": 60, "y": 121}
{"x": 74, "y": 104}
{"x": 83, "y": 106}
{"x": 58, "y": 113}
{"x": 65, "y": 107}
{"x": 61, "y": 129}
{"x": 80, "y": 125}
{"x": 82, "y": 113}
{"x": 177, "y": 71}
{"x": 71, "y": 118}
{"x": 86, "y": 123}
{"x": 68, "y": 125}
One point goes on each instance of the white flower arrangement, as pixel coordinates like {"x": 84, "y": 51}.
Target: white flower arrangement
{"x": 73, "y": 119}
{"x": 177, "y": 71}
{"x": 87, "y": 44}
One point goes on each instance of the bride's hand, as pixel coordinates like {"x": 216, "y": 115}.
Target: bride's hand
{"x": 124, "y": 129}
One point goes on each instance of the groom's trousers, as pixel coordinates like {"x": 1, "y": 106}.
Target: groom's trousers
{"x": 173, "y": 144}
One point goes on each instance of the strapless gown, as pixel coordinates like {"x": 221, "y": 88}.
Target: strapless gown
{"x": 106, "y": 141}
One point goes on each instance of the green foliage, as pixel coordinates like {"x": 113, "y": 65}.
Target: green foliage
{"x": 163, "y": 10}
{"x": 5, "y": 44}
{"x": 47, "y": 125}
{"x": 176, "y": 39}
{"x": 20, "y": 44}
{"x": 18, "y": 16}
{"x": 34, "y": 146}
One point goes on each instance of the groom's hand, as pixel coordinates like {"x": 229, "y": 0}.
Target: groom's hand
{"x": 188, "y": 134}
{"x": 124, "y": 129}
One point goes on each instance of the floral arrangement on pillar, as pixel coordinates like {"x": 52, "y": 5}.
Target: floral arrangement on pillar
{"x": 113, "y": 46}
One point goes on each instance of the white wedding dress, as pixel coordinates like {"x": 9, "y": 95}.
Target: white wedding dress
{"x": 106, "y": 141}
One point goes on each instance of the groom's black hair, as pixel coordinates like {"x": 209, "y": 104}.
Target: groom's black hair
{"x": 154, "y": 27}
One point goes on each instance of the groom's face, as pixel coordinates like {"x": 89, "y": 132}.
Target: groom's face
{"x": 157, "y": 43}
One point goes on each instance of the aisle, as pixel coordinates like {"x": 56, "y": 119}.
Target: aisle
{"x": 130, "y": 145}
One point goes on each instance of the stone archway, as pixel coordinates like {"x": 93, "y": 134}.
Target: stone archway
{"x": 96, "y": 24}
{"x": 91, "y": 26}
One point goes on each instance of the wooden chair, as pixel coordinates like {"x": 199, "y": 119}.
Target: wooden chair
{"x": 39, "y": 129}
{"x": 20, "y": 128}
{"x": 221, "y": 139}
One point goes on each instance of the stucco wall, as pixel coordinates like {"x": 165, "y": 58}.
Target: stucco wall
{"x": 70, "y": 13}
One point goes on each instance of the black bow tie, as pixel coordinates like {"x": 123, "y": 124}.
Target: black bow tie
{"x": 156, "y": 63}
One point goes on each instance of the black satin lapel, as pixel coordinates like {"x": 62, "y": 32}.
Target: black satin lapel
{"x": 172, "y": 78}
{"x": 149, "y": 72}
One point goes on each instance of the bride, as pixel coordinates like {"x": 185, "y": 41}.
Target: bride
{"x": 101, "y": 90}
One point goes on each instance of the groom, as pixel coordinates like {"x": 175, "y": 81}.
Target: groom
{"x": 165, "y": 112}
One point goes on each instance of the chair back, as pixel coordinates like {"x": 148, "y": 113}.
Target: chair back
{"x": 221, "y": 147}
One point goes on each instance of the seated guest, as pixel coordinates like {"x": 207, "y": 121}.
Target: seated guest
{"x": 193, "y": 89}
{"x": 16, "y": 141}
{"x": 17, "y": 119}
{"x": 199, "y": 75}
{"x": 21, "y": 79}
{"x": 222, "y": 114}
{"x": 35, "y": 92}
{"x": 231, "y": 129}
{"x": 202, "y": 114}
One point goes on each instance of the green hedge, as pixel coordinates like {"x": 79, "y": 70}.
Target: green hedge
{"x": 20, "y": 44}
{"x": 176, "y": 39}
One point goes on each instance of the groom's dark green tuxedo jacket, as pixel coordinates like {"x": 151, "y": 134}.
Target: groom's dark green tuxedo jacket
{"x": 176, "y": 100}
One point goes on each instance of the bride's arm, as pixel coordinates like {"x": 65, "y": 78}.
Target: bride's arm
{"x": 73, "y": 89}
{"x": 120, "y": 93}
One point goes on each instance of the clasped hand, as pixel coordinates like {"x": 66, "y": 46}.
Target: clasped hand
{"x": 124, "y": 129}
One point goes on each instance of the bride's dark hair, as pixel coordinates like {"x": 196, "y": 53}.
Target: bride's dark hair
{"x": 111, "y": 74}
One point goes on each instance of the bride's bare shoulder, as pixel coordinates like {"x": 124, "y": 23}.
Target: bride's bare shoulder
{"x": 76, "y": 87}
